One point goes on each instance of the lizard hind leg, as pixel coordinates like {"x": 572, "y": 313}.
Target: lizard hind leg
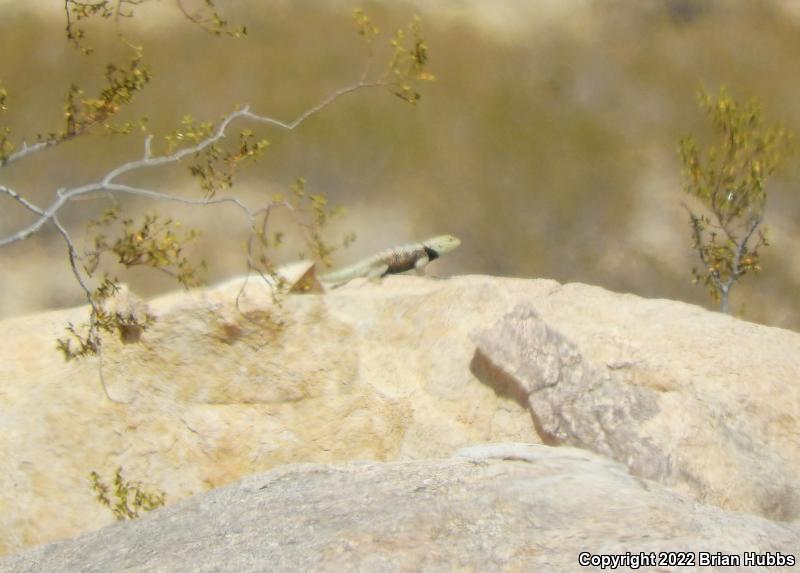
{"x": 377, "y": 272}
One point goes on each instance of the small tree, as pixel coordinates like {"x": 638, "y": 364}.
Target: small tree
{"x": 729, "y": 179}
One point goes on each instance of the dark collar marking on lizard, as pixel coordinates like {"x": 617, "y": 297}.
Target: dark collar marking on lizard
{"x": 432, "y": 255}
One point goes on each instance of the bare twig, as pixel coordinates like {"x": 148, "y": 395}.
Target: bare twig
{"x": 107, "y": 183}
{"x": 110, "y": 185}
{"x": 73, "y": 261}
{"x": 741, "y": 248}
{"x": 31, "y": 149}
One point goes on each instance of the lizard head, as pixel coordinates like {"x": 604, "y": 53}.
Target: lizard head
{"x": 442, "y": 244}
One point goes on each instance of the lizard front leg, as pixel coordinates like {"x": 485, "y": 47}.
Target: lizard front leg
{"x": 420, "y": 264}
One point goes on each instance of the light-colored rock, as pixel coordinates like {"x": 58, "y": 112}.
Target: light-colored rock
{"x": 509, "y": 507}
{"x": 704, "y": 403}
{"x": 208, "y": 395}
{"x": 384, "y": 372}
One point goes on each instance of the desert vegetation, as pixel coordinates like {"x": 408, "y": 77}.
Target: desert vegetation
{"x": 212, "y": 152}
{"x": 124, "y": 498}
{"x": 729, "y": 179}
{"x": 545, "y": 143}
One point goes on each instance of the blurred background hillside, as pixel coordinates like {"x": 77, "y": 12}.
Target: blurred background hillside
{"x": 548, "y": 142}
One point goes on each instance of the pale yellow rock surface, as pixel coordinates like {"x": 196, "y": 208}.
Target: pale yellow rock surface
{"x": 389, "y": 372}
{"x": 701, "y": 402}
{"x": 378, "y": 372}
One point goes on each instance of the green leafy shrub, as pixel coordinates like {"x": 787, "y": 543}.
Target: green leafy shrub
{"x": 729, "y": 178}
{"x": 128, "y": 498}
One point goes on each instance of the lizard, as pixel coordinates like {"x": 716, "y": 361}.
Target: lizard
{"x": 393, "y": 261}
